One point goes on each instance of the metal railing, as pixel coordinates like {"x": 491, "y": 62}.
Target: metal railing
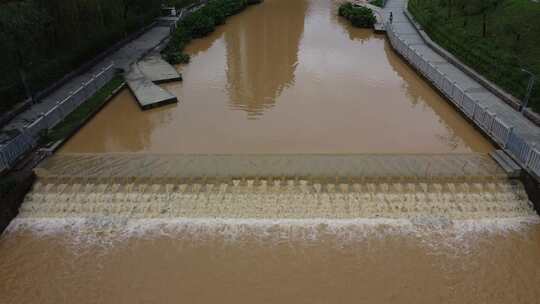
{"x": 500, "y": 131}
{"x": 503, "y": 134}
{"x": 11, "y": 151}
{"x": 29, "y": 135}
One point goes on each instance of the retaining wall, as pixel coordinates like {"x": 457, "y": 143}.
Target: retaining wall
{"x": 28, "y": 137}
{"x": 500, "y": 131}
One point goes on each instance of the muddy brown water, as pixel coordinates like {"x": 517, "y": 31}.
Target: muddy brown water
{"x": 373, "y": 264}
{"x": 281, "y": 77}
{"x": 288, "y": 77}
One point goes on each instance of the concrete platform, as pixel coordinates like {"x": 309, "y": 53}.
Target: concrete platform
{"x": 148, "y": 94}
{"x": 158, "y": 70}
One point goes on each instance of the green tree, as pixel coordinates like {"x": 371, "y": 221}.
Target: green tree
{"x": 21, "y": 25}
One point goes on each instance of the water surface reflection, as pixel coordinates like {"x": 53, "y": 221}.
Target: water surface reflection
{"x": 262, "y": 56}
{"x": 288, "y": 77}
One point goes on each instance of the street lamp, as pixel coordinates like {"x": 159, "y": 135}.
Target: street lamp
{"x": 530, "y": 86}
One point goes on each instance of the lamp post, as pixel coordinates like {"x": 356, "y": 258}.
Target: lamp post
{"x": 530, "y": 86}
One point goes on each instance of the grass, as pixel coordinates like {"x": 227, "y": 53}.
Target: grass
{"x": 74, "y": 120}
{"x": 511, "y": 41}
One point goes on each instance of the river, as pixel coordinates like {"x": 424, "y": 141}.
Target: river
{"x": 288, "y": 77}
{"x": 281, "y": 77}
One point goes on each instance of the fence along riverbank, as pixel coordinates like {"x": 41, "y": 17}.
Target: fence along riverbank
{"x": 505, "y": 126}
{"x": 28, "y": 137}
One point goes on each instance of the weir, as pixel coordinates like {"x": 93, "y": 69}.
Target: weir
{"x": 135, "y": 186}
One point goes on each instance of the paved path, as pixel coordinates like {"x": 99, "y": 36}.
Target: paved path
{"x": 122, "y": 58}
{"x": 406, "y": 32}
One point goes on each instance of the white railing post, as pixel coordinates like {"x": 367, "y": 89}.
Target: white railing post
{"x": 508, "y": 137}
{"x": 529, "y": 155}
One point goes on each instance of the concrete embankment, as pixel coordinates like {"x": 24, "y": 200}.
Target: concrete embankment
{"x": 507, "y": 127}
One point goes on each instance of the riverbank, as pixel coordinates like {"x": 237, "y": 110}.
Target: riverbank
{"x": 507, "y": 127}
{"x": 85, "y": 112}
{"x": 29, "y": 124}
{"x": 44, "y": 41}
{"x": 496, "y": 41}
{"x": 16, "y": 183}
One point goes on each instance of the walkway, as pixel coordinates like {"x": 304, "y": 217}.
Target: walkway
{"x": 122, "y": 58}
{"x": 509, "y": 128}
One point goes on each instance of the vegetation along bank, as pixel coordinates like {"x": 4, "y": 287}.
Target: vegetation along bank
{"x": 497, "y": 38}
{"x": 359, "y": 16}
{"x": 43, "y": 40}
{"x": 200, "y": 24}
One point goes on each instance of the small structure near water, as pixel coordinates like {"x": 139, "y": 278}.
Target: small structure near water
{"x": 158, "y": 70}
{"x": 143, "y": 77}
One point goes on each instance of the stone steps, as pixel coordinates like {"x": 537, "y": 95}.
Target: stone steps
{"x": 270, "y": 199}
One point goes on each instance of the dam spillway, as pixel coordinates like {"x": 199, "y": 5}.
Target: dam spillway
{"x": 281, "y": 77}
{"x": 271, "y": 187}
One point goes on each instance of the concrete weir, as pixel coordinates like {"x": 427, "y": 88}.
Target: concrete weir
{"x": 143, "y": 77}
{"x": 131, "y": 186}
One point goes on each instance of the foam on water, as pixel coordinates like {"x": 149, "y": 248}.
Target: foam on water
{"x": 116, "y": 197}
{"x": 289, "y": 199}
{"x": 108, "y": 231}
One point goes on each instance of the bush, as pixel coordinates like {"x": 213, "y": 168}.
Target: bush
{"x": 199, "y": 24}
{"x": 358, "y": 15}
{"x": 177, "y": 58}
{"x": 6, "y": 185}
{"x": 378, "y": 3}
{"x": 232, "y": 7}
{"x": 345, "y": 9}
{"x": 217, "y": 12}
{"x": 179, "y": 4}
